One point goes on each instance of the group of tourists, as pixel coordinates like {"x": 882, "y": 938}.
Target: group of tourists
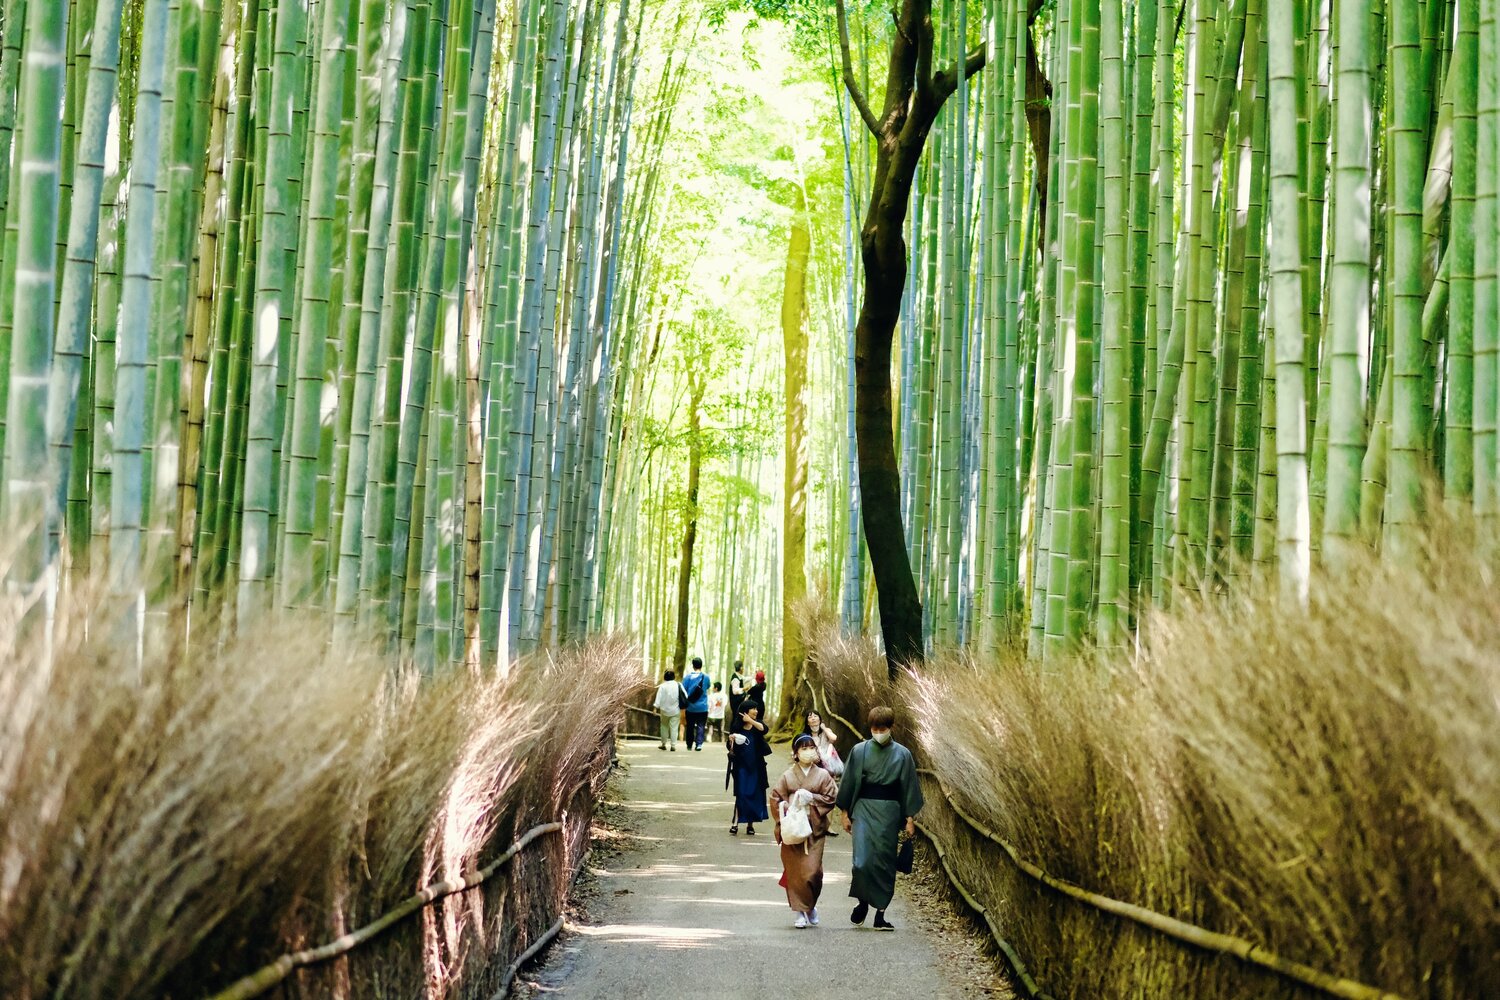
{"x": 876, "y": 790}
{"x": 703, "y": 704}
{"x": 879, "y": 796}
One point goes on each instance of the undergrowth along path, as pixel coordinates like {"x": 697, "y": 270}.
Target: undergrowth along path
{"x": 690, "y": 911}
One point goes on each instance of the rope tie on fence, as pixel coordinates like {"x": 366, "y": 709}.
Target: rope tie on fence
{"x": 1226, "y": 944}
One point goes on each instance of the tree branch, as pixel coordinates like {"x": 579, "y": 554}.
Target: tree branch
{"x": 926, "y": 97}
{"x": 855, "y": 94}
{"x": 946, "y": 82}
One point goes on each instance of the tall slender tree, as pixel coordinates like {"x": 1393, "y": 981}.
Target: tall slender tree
{"x": 914, "y": 95}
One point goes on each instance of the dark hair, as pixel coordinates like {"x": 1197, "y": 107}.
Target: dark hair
{"x": 880, "y": 716}
{"x": 671, "y": 675}
{"x": 718, "y": 685}
{"x": 739, "y": 665}
{"x": 698, "y": 663}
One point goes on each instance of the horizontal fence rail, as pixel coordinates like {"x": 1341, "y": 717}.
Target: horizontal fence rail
{"x": 528, "y": 955}
{"x": 1012, "y": 957}
{"x": 1199, "y": 937}
{"x": 269, "y": 975}
{"x": 641, "y": 723}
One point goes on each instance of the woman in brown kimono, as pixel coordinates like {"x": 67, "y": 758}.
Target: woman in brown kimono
{"x": 808, "y": 784}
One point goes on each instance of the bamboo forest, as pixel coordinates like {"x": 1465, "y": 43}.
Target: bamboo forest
{"x": 398, "y": 398}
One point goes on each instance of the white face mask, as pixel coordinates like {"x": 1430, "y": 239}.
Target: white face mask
{"x": 808, "y": 756}
{"x": 882, "y": 737}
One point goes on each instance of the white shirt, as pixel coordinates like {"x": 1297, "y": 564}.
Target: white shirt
{"x": 717, "y": 702}
{"x": 666, "y": 698}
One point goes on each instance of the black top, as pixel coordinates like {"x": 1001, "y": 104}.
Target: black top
{"x": 756, "y": 696}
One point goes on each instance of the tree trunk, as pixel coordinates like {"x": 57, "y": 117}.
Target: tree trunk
{"x": 879, "y": 475}
{"x": 913, "y": 96}
{"x": 794, "y": 504}
{"x": 690, "y": 532}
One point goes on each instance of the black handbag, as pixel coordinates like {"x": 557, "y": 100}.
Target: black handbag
{"x": 906, "y": 855}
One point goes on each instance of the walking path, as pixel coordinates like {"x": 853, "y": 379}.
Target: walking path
{"x": 692, "y": 912}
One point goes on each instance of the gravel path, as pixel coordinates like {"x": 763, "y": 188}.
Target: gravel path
{"x": 690, "y": 911}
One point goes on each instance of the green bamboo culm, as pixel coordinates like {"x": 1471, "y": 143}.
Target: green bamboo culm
{"x": 1409, "y": 433}
{"x": 1293, "y": 517}
{"x": 75, "y": 311}
{"x": 361, "y": 309}
{"x": 38, "y": 156}
{"x": 128, "y": 487}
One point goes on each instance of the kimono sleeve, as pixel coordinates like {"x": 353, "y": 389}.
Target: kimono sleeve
{"x": 780, "y": 792}
{"x": 853, "y": 774}
{"x": 911, "y": 785}
{"x": 827, "y": 789}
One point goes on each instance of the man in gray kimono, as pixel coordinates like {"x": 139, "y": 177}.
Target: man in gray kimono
{"x": 880, "y": 795}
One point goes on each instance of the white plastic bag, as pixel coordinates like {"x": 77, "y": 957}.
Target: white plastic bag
{"x": 833, "y": 763}
{"x": 796, "y": 826}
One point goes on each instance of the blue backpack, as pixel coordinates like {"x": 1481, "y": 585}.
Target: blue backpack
{"x": 698, "y": 688}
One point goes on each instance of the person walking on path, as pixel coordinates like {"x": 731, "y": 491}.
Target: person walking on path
{"x": 756, "y": 695}
{"x": 805, "y": 785}
{"x": 879, "y": 795}
{"x": 747, "y": 751}
{"x": 717, "y": 701}
{"x": 737, "y": 689}
{"x": 828, "y": 754}
{"x": 695, "y": 689}
{"x": 824, "y": 738}
{"x": 669, "y": 704}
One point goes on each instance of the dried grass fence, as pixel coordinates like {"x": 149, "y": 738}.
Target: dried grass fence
{"x": 1262, "y": 804}
{"x": 274, "y": 806}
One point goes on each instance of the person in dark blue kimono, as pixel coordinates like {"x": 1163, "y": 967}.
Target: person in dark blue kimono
{"x": 747, "y": 749}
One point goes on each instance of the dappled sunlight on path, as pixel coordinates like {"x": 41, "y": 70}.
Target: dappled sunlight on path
{"x": 692, "y": 912}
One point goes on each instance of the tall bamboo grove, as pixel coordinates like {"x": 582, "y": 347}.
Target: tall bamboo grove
{"x": 316, "y": 304}
{"x": 1198, "y": 293}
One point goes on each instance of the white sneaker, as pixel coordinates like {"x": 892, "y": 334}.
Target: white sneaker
{"x": 812, "y": 916}
{"x": 801, "y": 921}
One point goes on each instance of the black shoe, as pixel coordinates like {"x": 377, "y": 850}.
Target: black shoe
{"x": 860, "y": 912}
{"x": 882, "y": 924}
{"x": 734, "y": 830}
{"x": 750, "y": 830}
